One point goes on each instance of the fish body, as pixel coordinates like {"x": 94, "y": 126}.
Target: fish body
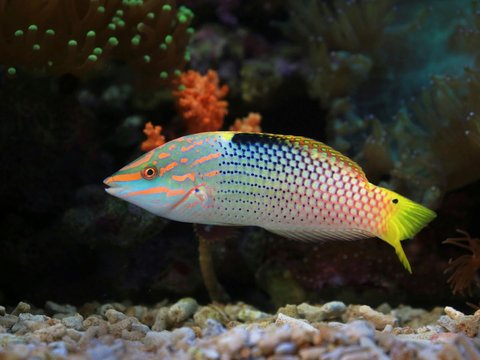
{"x": 290, "y": 185}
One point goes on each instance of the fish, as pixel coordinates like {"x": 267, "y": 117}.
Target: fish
{"x": 293, "y": 186}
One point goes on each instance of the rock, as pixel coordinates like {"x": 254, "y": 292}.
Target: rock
{"x": 406, "y": 314}
{"x": 212, "y": 328}
{"x": 156, "y": 339}
{"x": 456, "y": 321}
{"x": 102, "y": 310}
{"x": 2, "y": 310}
{"x": 73, "y": 322}
{"x": 7, "y": 321}
{"x": 92, "y": 320}
{"x": 251, "y": 314}
{"x": 332, "y": 310}
{"x": 161, "y": 319}
{"x": 328, "y": 311}
{"x": 51, "y": 333}
{"x": 113, "y": 316}
{"x": 289, "y": 310}
{"x": 54, "y": 308}
{"x": 206, "y": 313}
{"x": 141, "y": 328}
{"x": 378, "y": 319}
{"x": 28, "y": 323}
{"x": 359, "y": 329}
{"x": 294, "y": 323}
{"x": 230, "y": 343}
{"x": 286, "y": 348}
{"x": 312, "y": 353}
{"x": 182, "y": 310}
{"x": 21, "y": 307}
{"x": 183, "y": 335}
{"x": 58, "y": 349}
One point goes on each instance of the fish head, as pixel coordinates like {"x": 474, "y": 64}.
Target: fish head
{"x": 151, "y": 182}
{"x": 163, "y": 183}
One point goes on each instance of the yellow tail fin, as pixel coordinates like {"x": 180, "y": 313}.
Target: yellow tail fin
{"x": 406, "y": 220}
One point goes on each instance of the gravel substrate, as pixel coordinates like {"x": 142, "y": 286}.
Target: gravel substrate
{"x": 185, "y": 330}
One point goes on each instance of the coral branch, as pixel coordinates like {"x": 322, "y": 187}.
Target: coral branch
{"x": 154, "y": 137}
{"x": 250, "y": 123}
{"x": 199, "y": 101}
{"x": 465, "y": 267}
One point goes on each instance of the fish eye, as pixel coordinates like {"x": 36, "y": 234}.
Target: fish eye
{"x": 395, "y": 201}
{"x": 149, "y": 172}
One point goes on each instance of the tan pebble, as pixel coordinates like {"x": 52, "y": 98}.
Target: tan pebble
{"x": 92, "y": 320}
{"x": 183, "y": 335}
{"x": 206, "y": 312}
{"x": 251, "y": 314}
{"x": 231, "y": 342}
{"x": 74, "y": 321}
{"x": 119, "y": 307}
{"x": 294, "y": 323}
{"x": 309, "y": 312}
{"x": 232, "y": 310}
{"x": 182, "y": 310}
{"x": 7, "y": 321}
{"x": 138, "y": 326}
{"x": 157, "y": 339}
{"x": 149, "y": 317}
{"x": 289, "y": 310}
{"x": 132, "y": 335}
{"x": 74, "y": 334}
{"x": 312, "y": 353}
{"x": 378, "y": 319}
{"x": 137, "y": 311}
{"x": 88, "y": 335}
{"x": 117, "y": 328}
{"x": 267, "y": 344}
{"x": 22, "y": 307}
{"x": 104, "y": 308}
{"x": 113, "y": 316}
{"x": 71, "y": 343}
{"x": 161, "y": 320}
{"x": 50, "y": 334}
{"x": 456, "y": 321}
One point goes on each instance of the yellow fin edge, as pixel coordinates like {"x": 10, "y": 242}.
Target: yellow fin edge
{"x": 407, "y": 219}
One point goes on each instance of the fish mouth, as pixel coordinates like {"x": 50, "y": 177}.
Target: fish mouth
{"x": 112, "y": 187}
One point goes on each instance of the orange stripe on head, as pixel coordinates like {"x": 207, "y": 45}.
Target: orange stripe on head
{"x": 168, "y": 168}
{"x": 157, "y": 190}
{"x": 171, "y": 147}
{"x": 146, "y": 158}
{"x": 182, "y": 178}
{"x": 183, "y": 160}
{"x": 163, "y": 155}
{"x": 190, "y": 147}
{"x": 125, "y": 177}
{"x": 205, "y": 158}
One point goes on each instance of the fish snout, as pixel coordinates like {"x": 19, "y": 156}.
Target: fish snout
{"x": 111, "y": 186}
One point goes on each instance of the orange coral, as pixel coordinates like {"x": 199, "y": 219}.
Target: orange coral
{"x": 199, "y": 101}
{"x": 250, "y": 123}
{"x": 154, "y": 137}
{"x": 465, "y": 267}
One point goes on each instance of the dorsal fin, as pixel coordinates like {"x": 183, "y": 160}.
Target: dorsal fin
{"x": 315, "y": 148}
{"x": 325, "y": 152}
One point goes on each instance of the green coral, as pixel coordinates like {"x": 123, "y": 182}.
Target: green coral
{"x": 75, "y": 37}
